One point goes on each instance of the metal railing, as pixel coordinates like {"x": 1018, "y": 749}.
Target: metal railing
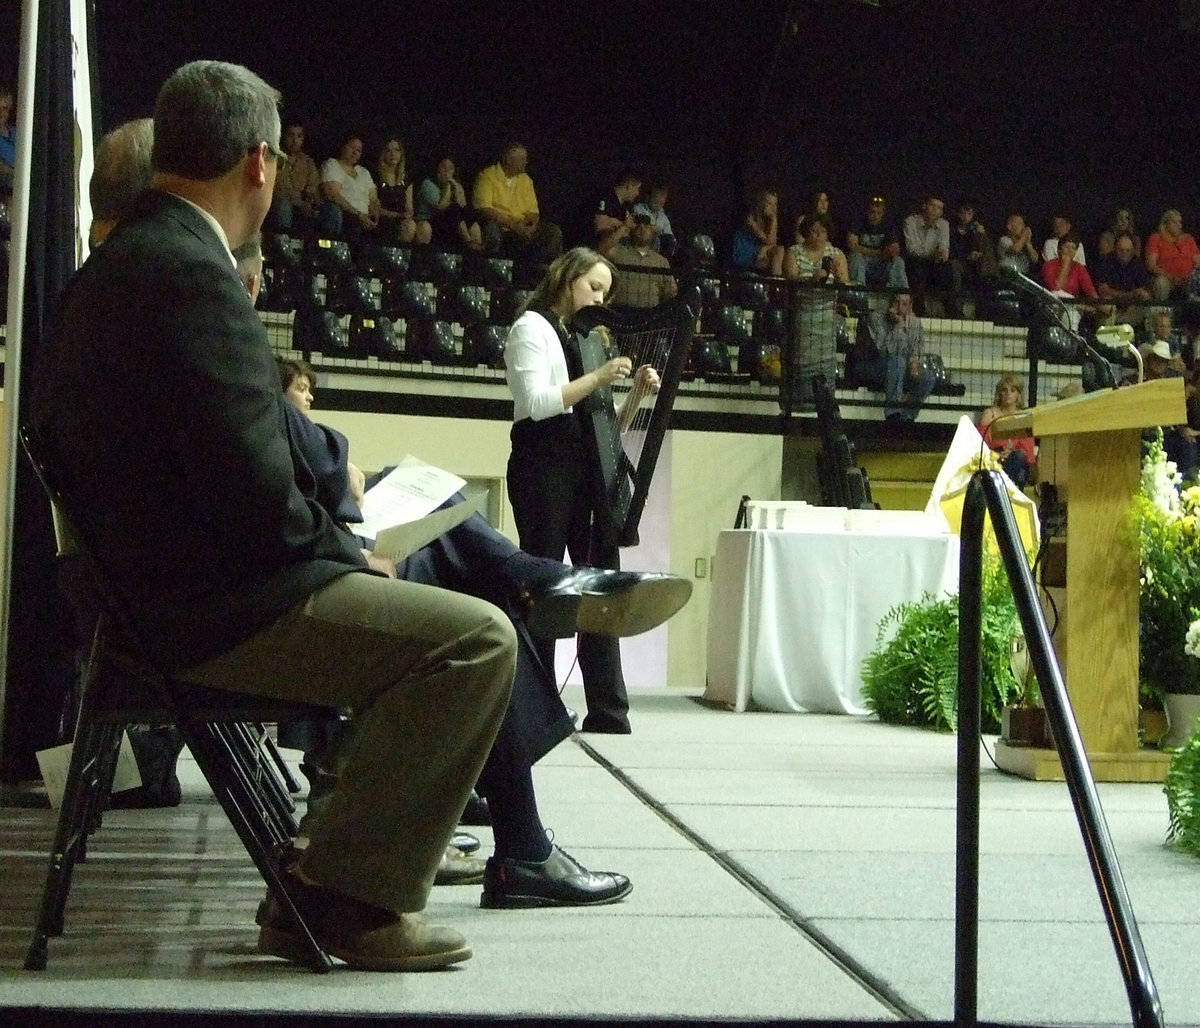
{"x": 986, "y": 494}
{"x": 760, "y": 338}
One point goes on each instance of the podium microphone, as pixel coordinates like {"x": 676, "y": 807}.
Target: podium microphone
{"x": 1097, "y": 371}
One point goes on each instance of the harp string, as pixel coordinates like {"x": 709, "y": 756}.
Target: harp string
{"x": 626, "y": 459}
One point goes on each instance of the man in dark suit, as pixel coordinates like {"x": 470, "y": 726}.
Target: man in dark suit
{"x": 164, "y": 400}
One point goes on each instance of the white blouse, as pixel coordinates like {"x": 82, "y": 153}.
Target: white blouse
{"x": 535, "y": 367}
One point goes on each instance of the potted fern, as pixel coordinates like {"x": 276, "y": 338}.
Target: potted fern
{"x": 1182, "y": 787}
{"x": 911, "y": 676}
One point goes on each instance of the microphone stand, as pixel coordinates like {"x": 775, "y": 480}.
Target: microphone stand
{"x": 1053, "y": 308}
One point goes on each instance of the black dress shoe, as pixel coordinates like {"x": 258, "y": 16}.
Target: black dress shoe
{"x": 476, "y": 811}
{"x": 558, "y": 881}
{"x": 617, "y": 603}
{"x": 605, "y": 726}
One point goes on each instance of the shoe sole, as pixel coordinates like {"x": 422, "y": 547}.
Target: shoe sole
{"x": 640, "y": 607}
{"x": 490, "y": 901}
{"x": 275, "y": 942}
{"x": 455, "y": 878}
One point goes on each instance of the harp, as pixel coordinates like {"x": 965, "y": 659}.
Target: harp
{"x": 624, "y": 458}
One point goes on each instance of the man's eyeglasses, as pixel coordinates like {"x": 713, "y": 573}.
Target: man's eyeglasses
{"x": 273, "y": 150}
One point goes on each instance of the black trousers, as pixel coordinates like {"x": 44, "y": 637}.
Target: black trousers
{"x": 475, "y": 559}
{"x": 552, "y": 486}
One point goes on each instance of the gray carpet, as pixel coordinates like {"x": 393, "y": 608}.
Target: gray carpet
{"x": 785, "y": 866}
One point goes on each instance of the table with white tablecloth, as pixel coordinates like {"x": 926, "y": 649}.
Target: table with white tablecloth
{"x": 794, "y": 612}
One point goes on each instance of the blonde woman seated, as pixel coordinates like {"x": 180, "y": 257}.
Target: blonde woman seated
{"x": 1018, "y": 457}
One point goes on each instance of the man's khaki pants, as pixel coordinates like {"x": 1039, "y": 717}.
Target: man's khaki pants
{"x": 427, "y": 674}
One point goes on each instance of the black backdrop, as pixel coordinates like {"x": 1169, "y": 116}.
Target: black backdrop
{"x": 1080, "y": 104}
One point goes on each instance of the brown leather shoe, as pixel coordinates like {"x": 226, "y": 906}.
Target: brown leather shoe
{"x": 457, "y": 868}
{"x": 366, "y": 937}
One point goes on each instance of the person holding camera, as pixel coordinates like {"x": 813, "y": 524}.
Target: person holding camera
{"x": 645, "y": 279}
{"x": 612, "y": 214}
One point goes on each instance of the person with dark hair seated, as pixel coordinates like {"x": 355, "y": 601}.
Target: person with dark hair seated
{"x": 611, "y": 214}
{"x": 297, "y": 192}
{"x": 351, "y": 208}
{"x": 443, "y": 217}
{"x": 927, "y": 251}
{"x": 540, "y": 595}
{"x": 1121, "y": 278}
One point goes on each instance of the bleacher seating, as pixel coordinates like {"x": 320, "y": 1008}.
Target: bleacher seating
{"x": 415, "y": 311}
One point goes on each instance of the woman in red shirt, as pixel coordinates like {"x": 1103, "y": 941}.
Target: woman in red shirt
{"x": 1062, "y": 274}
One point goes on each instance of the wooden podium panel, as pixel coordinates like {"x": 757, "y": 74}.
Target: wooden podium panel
{"x": 1091, "y": 451}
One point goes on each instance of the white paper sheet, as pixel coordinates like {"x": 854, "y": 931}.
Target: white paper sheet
{"x": 410, "y": 491}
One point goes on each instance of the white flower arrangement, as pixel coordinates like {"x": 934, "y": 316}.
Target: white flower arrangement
{"x": 1191, "y": 643}
{"x": 1161, "y": 479}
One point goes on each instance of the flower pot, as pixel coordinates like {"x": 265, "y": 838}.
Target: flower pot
{"x": 1153, "y": 725}
{"x": 1026, "y": 726}
{"x": 1182, "y": 712}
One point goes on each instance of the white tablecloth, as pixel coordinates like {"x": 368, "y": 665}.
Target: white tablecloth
{"x": 793, "y": 613}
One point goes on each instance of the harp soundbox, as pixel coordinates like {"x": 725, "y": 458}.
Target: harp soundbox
{"x": 625, "y": 449}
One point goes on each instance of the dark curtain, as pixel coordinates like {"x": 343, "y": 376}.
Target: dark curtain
{"x": 41, "y": 653}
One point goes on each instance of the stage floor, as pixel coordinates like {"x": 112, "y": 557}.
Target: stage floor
{"x": 785, "y": 866}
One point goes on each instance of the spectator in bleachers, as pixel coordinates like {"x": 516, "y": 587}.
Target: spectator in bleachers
{"x": 1122, "y": 223}
{"x": 1064, "y": 276}
{"x": 506, "y": 203}
{"x": 654, "y": 205}
{"x": 635, "y": 286}
{"x": 814, "y": 259}
{"x": 897, "y": 342}
{"x": 972, "y": 258}
{"x": 1179, "y": 441}
{"x": 443, "y": 217}
{"x": 297, "y": 193}
{"x": 1171, "y": 257}
{"x": 1018, "y": 457}
{"x": 8, "y": 139}
{"x": 396, "y": 221}
{"x": 1060, "y": 226}
{"x": 756, "y": 245}
{"x": 1121, "y": 279}
{"x": 1162, "y": 330}
{"x": 927, "y": 251}
{"x": 611, "y": 213}
{"x": 874, "y": 245}
{"x": 821, "y": 206}
{"x": 1189, "y": 341}
{"x": 1015, "y": 248}
{"x": 351, "y": 205}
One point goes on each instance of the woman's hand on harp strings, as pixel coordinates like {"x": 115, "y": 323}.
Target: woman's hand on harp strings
{"x": 645, "y": 382}
{"x": 616, "y": 370}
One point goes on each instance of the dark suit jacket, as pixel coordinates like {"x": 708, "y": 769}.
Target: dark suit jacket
{"x": 163, "y": 397}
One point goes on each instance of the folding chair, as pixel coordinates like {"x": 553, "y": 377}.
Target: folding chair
{"x": 121, "y": 685}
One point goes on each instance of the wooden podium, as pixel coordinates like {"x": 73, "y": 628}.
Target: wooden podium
{"x": 1090, "y": 450}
